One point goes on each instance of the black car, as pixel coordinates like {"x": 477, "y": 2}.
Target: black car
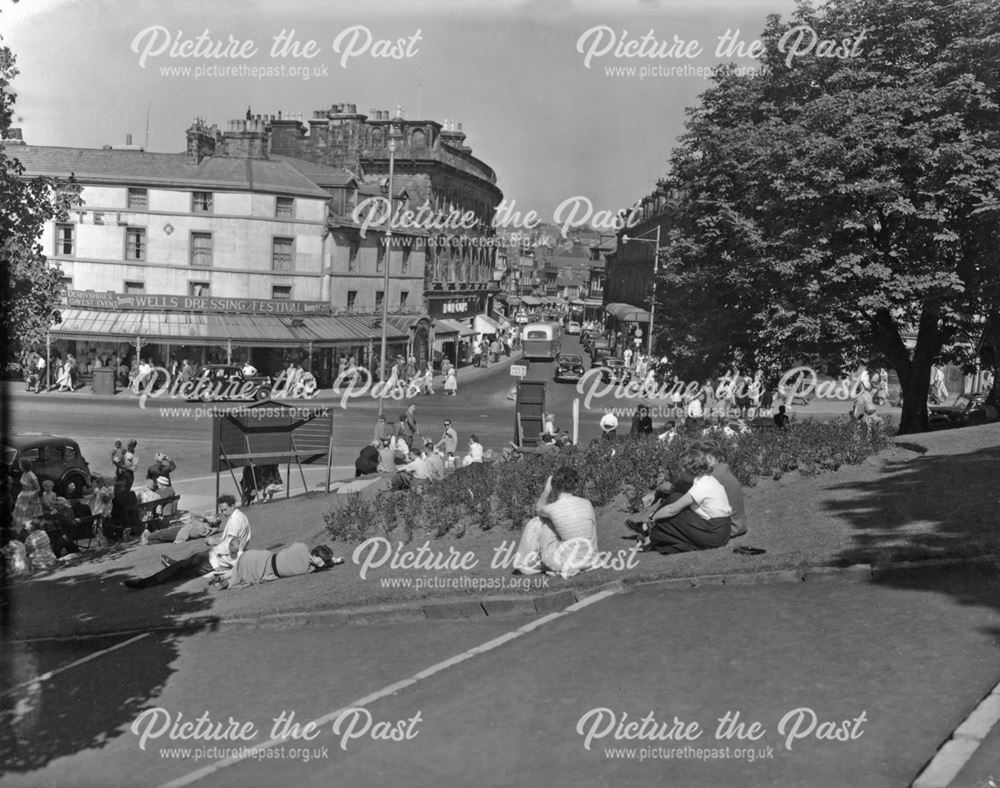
{"x": 569, "y": 367}
{"x": 965, "y": 410}
{"x": 615, "y": 370}
{"x": 219, "y": 382}
{"x": 52, "y": 457}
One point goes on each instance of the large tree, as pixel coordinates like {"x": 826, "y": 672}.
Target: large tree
{"x": 838, "y": 210}
{"x": 32, "y": 289}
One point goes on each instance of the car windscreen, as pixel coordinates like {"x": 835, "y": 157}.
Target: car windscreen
{"x": 570, "y": 360}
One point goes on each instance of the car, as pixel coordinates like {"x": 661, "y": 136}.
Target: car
{"x": 572, "y": 327}
{"x": 965, "y": 410}
{"x": 53, "y": 458}
{"x": 217, "y": 382}
{"x": 615, "y": 370}
{"x": 569, "y": 367}
{"x": 599, "y": 348}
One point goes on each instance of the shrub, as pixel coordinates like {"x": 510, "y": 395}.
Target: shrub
{"x": 503, "y": 495}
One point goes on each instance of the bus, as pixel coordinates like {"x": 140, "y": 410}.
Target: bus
{"x": 541, "y": 340}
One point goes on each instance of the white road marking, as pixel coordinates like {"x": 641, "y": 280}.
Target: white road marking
{"x": 392, "y": 689}
{"x": 82, "y": 660}
{"x": 965, "y": 740}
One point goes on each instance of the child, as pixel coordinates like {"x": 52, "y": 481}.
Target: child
{"x": 117, "y": 454}
{"x": 38, "y": 547}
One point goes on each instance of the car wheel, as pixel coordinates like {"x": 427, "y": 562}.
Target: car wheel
{"x": 76, "y": 478}
{"x": 261, "y": 394}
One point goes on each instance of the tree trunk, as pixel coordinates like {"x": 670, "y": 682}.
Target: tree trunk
{"x": 914, "y": 370}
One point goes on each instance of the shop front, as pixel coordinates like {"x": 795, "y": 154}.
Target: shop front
{"x": 109, "y": 329}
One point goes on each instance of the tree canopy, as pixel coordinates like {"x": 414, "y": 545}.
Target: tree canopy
{"x": 32, "y": 288}
{"x": 837, "y": 210}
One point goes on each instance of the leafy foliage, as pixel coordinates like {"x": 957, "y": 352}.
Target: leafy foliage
{"x": 31, "y": 284}
{"x": 503, "y": 495}
{"x": 829, "y": 208}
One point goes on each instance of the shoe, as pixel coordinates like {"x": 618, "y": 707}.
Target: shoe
{"x": 166, "y": 560}
{"x": 641, "y": 527}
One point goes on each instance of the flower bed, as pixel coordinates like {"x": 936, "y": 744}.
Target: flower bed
{"x": 502, "y": 495}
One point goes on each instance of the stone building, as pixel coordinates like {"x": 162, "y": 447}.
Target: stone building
{"x": 433, "y": 168}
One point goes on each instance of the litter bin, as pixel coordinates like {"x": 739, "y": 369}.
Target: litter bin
{"x": 104, "y": 381}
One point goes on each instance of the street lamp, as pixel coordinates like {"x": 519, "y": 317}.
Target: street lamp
{"x": 393, "y": 135}
{"x": 656, "y": 270}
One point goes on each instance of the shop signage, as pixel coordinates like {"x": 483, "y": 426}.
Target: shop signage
{"x": 90, "y": 299}
{"x": 518, "y": 370}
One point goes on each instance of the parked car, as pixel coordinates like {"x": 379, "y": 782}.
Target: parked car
{"x": 966, "y": 409}
{"x": 569, "y": 367}
{"x": 52, "y": 457}
{"x": 615, "y": 370}
{"x": 572, "y": 327}
{"x": 217, "y": 382}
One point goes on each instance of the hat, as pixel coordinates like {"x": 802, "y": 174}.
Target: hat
{"x": 609, "y": 422}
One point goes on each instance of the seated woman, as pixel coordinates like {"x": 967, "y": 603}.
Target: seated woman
{"x": 261, "y": 566}
{"x": 699, "y": 519}
{"x": 563, "y": 535}
{"x": 38, "y": 546}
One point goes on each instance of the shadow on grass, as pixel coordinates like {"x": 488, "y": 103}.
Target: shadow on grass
{"x": 926, "y": 508}
{"x": 84, "y": 705}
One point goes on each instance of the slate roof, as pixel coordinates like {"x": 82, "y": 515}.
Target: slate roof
{"x": 144, "y": 168}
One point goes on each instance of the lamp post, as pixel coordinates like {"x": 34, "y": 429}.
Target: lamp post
{"x": 656, "y": 270}
{"x": 393, "y": 131}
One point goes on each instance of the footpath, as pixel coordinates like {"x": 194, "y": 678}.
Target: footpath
{"x": 930, "y": 502}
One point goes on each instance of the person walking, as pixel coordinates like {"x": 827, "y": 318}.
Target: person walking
{"x": 451, "y": 383}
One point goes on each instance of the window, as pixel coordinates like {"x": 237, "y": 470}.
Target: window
{"x": 283, "y": 254}
{"x": 406, "y": 259}
{"x": 281, "y": 293}
{"x": 138, "y": 199}
{"x": 135, "y": 288}
{"x": 201, "y": 202}
{"x": 201, "y": 250}
{"x": 380, "y": 257}
{"x": 65, "y": 283}
{"x": 69, "y": 452}
{"x": 135, "y": 243}
{"x": 352, "y": 296}
{"x": 352, "y": 255}
{"x": 284, "y": 207}
{"x": 403, "y": 296}
{"x": 65, "y": 240}
{"x": 379, "y": 298}
{"x": 199, "y": 289}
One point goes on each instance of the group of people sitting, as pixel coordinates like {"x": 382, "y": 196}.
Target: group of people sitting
{"x": 229, "y": 563}
{"x": 701, "y": 509}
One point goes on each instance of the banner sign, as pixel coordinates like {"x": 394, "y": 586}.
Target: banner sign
{"x": 90, "y": 299}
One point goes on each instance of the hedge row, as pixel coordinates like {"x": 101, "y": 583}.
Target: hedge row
{"x": 502, "y": 495}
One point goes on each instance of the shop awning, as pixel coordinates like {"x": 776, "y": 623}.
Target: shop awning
{"x": 484, "y": 324}
{"x": 627, "y": 313}
{"x": 189, "y": 328}
{"x": 531, "y": 301}
{"x": 444, "y": 327}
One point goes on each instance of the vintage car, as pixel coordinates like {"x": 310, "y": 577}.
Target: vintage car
{"x": 221, "y": 382}
{"x": 615, "y": 370}
{"x": 599, "y": 349}
{"x": 572, "y": 327}
{"x": 965, "y": 410}
{"x": 52, "y": 457}
{"x": 569, "y": 367}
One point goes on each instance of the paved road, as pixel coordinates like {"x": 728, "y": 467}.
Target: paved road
{"x": 893, "y": 669}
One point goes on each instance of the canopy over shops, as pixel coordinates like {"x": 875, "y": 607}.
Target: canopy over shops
{"x": 626, "y": 313}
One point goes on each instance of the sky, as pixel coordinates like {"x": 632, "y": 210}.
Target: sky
{"x": 543, "y": 88}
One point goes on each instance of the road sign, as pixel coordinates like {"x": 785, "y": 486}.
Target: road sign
{"x": 637, "y": 341}
{"x": 518, "y": 370}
